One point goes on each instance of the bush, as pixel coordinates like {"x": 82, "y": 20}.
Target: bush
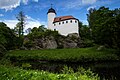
{"x": 7, "y": 37}
{"x": 2, "y": 50}
{"x": 28, "y": 44}
{"x": 12, "y": 73}
{"x": 88, "y": 43}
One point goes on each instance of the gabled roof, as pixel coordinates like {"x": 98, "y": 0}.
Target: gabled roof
{"x": 62, "y": 18}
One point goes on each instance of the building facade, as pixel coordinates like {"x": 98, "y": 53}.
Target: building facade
{"x": 64, "y": 24}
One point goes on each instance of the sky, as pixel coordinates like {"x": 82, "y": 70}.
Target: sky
{"x": 36, "y": 10}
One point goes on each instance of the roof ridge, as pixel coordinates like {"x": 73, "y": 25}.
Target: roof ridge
{"x": 65, "y": 16}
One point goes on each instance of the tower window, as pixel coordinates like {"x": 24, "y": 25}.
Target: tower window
{"x": 71, "y": 21}
{"x": 62, "y": 22}
{"x": 66, "y": 21}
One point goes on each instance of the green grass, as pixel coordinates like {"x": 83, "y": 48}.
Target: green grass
{"x": 13, "y": 73}
{"x": 72, "y": 55}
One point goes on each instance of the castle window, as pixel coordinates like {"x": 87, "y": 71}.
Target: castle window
{"x": 71, "y": 21}
{"x": 66, "y": 21}
{"x": 75, "y": 21}
{"x": 59, "y": 23}
{"x": 62, "y": 22}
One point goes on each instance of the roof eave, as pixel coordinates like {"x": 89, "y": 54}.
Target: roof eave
{"x": 66, "y": 19}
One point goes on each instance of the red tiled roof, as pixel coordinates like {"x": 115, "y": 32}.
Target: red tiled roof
{"x": 62, "y": 18}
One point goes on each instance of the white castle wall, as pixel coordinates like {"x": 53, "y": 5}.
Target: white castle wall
{"x": 62, "y": 28}
{"x": 66, "y": 28}
{"x": 51, "y": 17}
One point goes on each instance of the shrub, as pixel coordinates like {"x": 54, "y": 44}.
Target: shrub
{"x": 88, "y": 43}
{"x": 12, "y": 73}
{"x": 2, "y": 50}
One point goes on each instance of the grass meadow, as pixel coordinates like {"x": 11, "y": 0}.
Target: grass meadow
{"x": 64, "y": 55}
{"x": 10, "y": 72}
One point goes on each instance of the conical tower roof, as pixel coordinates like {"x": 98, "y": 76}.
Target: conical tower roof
{"x": 51, "y": 10}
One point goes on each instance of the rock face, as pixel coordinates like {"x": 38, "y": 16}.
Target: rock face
{"x": 50, "y": 42}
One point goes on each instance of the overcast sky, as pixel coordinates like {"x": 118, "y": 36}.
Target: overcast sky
{"x": 36, "y": 10}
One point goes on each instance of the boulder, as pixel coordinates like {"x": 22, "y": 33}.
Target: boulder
{"x": 51, "y": 42}
{"x": 70, "y": 45}
{"x": 71, "y": 41}
{"x": 73, "y": 35}
{"x": 101, "y": 48}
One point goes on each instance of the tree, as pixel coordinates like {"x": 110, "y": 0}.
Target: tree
{"x": 105, "y": 26}
{"x": 85, "y": 34}
{"x": 28, "y": 31}
{"x": 21, "y": 24}
{"x": 7, "y": 37}
{"x": 19, "y": 29}
{"x": 39, "y": 29}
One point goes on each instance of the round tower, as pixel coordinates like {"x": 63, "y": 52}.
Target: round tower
{"x": 51, "y": 15}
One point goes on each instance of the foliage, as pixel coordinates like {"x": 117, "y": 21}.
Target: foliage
{"x": 65, "y": 55}
{"x": 104, "y": 25}
{"x": 42, "y": 32}
{"x": 2, "y": 50}
{"x": 7, "y": 37}
{"x": 39, "y": 29}
{"x": 88, "y": 43}
{"x": 28, "y": 43}
{"x": 85, "y": 34}
{"x": 12, "y": 73}
{"x": 38, "y": 33}
{"x": 19, "y": 29}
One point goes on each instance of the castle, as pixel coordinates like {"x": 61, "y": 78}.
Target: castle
{"x": 64, "y": 24}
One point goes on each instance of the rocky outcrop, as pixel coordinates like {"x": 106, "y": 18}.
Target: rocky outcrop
{"x": 51, "y": 42}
